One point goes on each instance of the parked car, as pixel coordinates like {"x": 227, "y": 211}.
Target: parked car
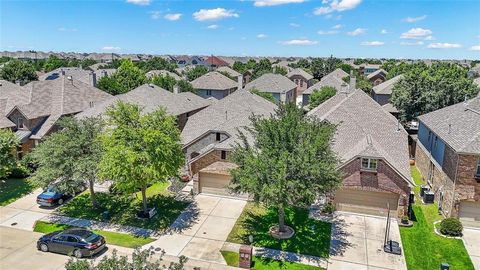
{"x": 77, "y": 242}
{"x": 51, "y": 196}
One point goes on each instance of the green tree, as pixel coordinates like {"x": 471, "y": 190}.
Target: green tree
{"x": 196, "y": 72}
{"x": 363, "y": 83}
{"x": 140, "y": 149}
{"x": 166, "y": 82}
{"x": 17, "y": 70}
{"x": 185, "y": 86}
{"x": 345, "y": 67}
{"x": 318, "y": 97}
{"x": 290, "y": 163}
{"x": 157, "y": 63}
{"x": 8, "y": 143}
{"x": 53, "y": 62}
{"x": 70, "y": 156}
{"x": 265, "y": 95}
{"x": 424, "y": 89}
{"x": 239, "y": 67}
{"x": 126, "y": 78}
{"x": 280, "y": 70}
{"x": 262, "y": 67}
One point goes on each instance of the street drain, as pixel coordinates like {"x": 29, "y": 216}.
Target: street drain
{"x": 14, "y": 224}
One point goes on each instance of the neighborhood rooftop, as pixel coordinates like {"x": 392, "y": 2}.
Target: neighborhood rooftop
{"x": 214, "y": 81}
{"x": 273, "y": 83}
{"x": 386, "y": 87}
{"x": 300, "y": 72}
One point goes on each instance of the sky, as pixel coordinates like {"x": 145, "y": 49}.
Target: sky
{"x": 342, "y": 28}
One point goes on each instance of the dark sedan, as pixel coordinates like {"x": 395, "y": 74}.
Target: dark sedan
{"x": 77, "y": 242}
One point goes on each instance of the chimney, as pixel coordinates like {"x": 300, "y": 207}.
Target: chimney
{"x": 92, "y": 78}
{"x": 175, "y": 89}
{"x": 353, "y": 81}
{"x": 240, "y": 82}
{"x": 104, "y": 73}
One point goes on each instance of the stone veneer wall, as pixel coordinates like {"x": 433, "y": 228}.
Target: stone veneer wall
{"x": 467, "y": 187}
{"x": 210, "y": 158}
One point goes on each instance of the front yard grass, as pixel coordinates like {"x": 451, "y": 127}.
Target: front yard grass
{"x": 262, "y": 263}
{"x": 312, "y": 237}
{"x": 118, "y": 239}
{"x": 12, "y": 189}
{"x": 422, "y": 247}
{"x": 123, "y": 208}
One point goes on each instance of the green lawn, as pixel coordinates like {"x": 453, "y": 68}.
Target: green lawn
{"x": 123, "y": 208}
{"x": 423, "y": 248}
{"x": 262, "y": 263}
{"x": 118, "y": 239}
{"x": 312, "y": 237}
{"x": 11, "y": 189}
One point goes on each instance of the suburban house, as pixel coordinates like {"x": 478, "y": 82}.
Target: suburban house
{"x": 373, "y": 149}
{"x": 383, "y": 92}
{"x": 367, "y": 69}
{"x": 36, "y": 107}
{"x": 209, "y": 137}
{"x": 448, "y": 156}
{"x": 377, "y": 77}
{"x": 282, "y": 88}
{"x": 89, "y": 76}
{"x": 185, "y": 60}
{"x": 151, "y": 97}
{"x": 215, "y": 84}
{"x": 301, "y": 78}
{"x": 333, "y": 79}
{"x": 215, "y": 62}
{"x": 152, "y": 73}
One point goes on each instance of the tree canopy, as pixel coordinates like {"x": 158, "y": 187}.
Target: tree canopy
{"x": 184, "y": 86}
{"x": 164, "y": 81}
{"x": 290, "y": 163}
{"x": 8, "y": 143}
{"x": 424, "y": 89}
{"x": 157, "y": 63}
{"x": 140, "y": 149}
{"x": 196, "y": 72}
{"x": 127, "y": 77}
{"x": 265, "y": 95}
{"x": 17, "y": 70}
{"x": 319, "y": 96}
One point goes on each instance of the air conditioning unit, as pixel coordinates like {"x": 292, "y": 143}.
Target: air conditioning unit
{"x": 423, "y": 189}
{"x": 428, "y": 197}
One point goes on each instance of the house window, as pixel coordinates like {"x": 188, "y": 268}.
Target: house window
{"x": 223, "y": 155}
{"x": 301, "y": 83}
{"x": 20, "y": 123}
{"x": 369, "y": 164}
{"x": 478, "y": 169}
{"x": 209, "y": 92}
{"x": 217, "y": 137}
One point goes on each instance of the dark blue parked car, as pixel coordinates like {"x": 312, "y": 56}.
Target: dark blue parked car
{"x": 77, "y": 242}
{"x": 51, "y": 197}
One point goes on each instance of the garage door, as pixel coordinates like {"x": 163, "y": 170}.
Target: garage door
{"x": 469, "y": 214}
{"x": 216, "y": 184}
{"x": 366, "y": 202}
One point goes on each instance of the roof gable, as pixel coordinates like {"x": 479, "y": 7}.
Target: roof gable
{"x": 273, "y": 83}
{"x": 214, "y": 81}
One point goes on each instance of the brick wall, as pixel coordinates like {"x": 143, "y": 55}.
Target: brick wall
{"x": 204, "y": 161}
{"x": 466, "y": 187}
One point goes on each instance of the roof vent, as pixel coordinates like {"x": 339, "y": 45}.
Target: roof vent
{"x": 151, "y": 85}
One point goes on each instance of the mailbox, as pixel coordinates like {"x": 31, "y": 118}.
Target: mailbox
{"x": 245, "y": 260}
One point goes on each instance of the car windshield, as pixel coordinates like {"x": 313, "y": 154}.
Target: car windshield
{"x": 90, "y": 237}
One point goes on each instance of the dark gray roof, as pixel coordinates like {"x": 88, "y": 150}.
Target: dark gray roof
{"x": 375, "y": 73}
{"x": 272, "y": 83}
{"x": 76, "y": 73}
{"x": 365, "y": 129}
{"x": 214, "y": 81}
{"x": 457, "y": 125}
{"x": 386, "y": 87}
{"x": 300, "y": 72}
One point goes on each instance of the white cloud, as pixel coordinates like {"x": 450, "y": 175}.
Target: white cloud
{"x": 140, "y": 2}
{"x": 336, "y": 5}
{"x": 302, "y": 42}
{"x": 357, "y": 32}
{"x": 64, "y": 29}
{"x": 294, "y": 25}
{"x": 111, "y": 48}
{"x": 443, "y": 45}
{"x": 214, "y": 14}
{"x": 406, "y": 43}
{"x": 261, "y": 36}
{"x": 414, "y": 19}
{"x": 213, "y": 26}
{"x": 267, "y": 3}
{"x": 475, "y": 48}
{"x": 173, "y": 16}
{"x": 337, "y": 26}
{"x": 330, "y": 32}
{"x": 430, "y": 38}
{"x": 155, "y": 15}
{"x": 416, "y": 33}
{"x": 384, "y": 31}
{"x": 372, "y": 43}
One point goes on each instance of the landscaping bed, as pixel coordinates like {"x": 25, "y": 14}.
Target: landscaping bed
{"x": 262, "y": 263}
{"x": 12, "y": 189}
{"x": 312, "y": 237}
{"x": 118, "y": 239}
{"x": 123, "y": 208}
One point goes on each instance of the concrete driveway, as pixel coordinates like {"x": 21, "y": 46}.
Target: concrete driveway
{"x": 357, "y": 243}
{"x": 471, "y": 238}
{"x": 201, "y": 230}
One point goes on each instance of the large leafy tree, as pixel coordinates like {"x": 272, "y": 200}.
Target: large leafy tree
{"x": 196, "y": 72}
{"x": 266, "y": 95}
{"x": 166, "y": 82}
{"x": 126, "y": 78}
{"x": 17, "y": 70}
{"x": 70, "y": 156}
{"x": 290, "y": 162}
{"x": 319, "y": 96}
{"x": 185, "y": 86}
{"x": 8, "y": 142}
{"x": 424, "y": 89}
{"x": 140, "y": 149}
{"x": 157, "y": 63}
{"x": 53, "y": 62}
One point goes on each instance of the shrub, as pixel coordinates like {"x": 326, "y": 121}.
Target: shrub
{"x": 328, "y": 208}
{"x": 19, "y": 171}
{"x": 451, "y": 227}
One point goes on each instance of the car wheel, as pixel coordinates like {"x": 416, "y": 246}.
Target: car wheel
{"x": 43, "y": 247}
{"x": 60, "y": 201}
{"x": 77, "y": 253}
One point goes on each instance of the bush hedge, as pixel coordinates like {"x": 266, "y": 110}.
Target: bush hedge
{"x": 451, "y": 227}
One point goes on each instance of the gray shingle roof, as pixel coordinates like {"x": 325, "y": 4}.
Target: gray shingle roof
{"x": 390, "y": 108}
{"x": 76, "y": 73}
{"x": 12, "y": 95}
{"x": 477, "y": 81}
{"x": 386, "y": 87}
{"x": 333, "y": 79}
{"x": 457, "y": 125}
{"x": 151, "y": 97}
{"x": 272, "y": 83}
{"x": 365, "y": 129}
{"x": 214, "y": 81}
{"x": 226, "y": 115}
{"x": 152, "y": 73}
{"x": 229, "y": 71}
{"x": 300, "y": 72}
{"x": 371, "y": 75}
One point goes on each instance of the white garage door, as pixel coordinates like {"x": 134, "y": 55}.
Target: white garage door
{"x": 469, "y": 214}
{"x": 366, "y": 202}
{"x": 214, "y": 183}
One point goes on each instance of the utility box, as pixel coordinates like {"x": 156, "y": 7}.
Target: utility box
{"x": 444, "y": 266}
{"x": 245, "y": 260}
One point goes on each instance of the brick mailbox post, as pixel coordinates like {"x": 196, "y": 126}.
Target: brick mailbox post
{"x": 245, "y": 257}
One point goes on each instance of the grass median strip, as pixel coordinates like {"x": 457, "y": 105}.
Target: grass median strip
{"x": 118, "y": 239}
{"x": 263, "y": 263}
